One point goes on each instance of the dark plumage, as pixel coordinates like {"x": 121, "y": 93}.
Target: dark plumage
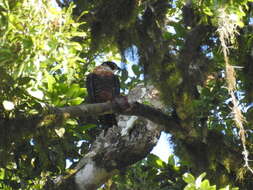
{"x": 103, "y": 85}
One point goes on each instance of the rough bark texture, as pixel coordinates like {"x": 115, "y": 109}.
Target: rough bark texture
{"x": 118, "y": 148}
{"x": 113, "y": 152}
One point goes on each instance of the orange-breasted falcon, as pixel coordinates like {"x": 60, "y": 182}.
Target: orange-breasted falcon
{"x": 103, "y": 85}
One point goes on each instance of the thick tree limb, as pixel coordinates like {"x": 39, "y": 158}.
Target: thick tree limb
{"x": 86, "y": 109}
{"x": 53, "y": 117}
{"x": 115, "y": 150}
{"x": 111, "y": 153}
{"x": 137, "y": 109}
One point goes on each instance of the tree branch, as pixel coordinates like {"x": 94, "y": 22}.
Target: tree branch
{"x": 114, "y": 150}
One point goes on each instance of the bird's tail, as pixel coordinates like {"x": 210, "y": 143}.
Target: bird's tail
{"x": 107, "y": 121}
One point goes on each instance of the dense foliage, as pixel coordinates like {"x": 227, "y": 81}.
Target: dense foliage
{"x": 40, "y": 65}
{"x": 47, "y": 50}
{"x": 153, "y": 173}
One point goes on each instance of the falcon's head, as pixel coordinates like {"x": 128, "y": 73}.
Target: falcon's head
{"x": 111, "y": 65}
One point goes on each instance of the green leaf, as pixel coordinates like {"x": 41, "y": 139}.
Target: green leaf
{"x": 77, "y": 46}
{"x": 50, "y": 82}
{"x": 190, "y": 187}
{"x": 82, "y": 92}
{"x": 205, "y": 185}
{"x": 136, "y": 69}
{"x": 225, "y": 188}
{"x": 240, "y": 24}
{"x": 28, "y": 42}
{"x": 199, "y": 179}
{"x": 228, "y": 188}
{"x": 208, "y": 11}
{"x": 76, "y": 101}
{"x": 160, "y": 163}
{"x": 80, "y": 34}
{"x": 73, "y": 90}
{"x": 155, "y": 161}
{"x": 63, "y": 88}
{"x": 188, "y": 178}
{"x": 2, "y": 171}
{"x": 171, "y": 160}
{"x": 71, "y": 122}
{"x": 88, "y": 126}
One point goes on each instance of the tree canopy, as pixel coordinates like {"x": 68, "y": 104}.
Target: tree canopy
{"x": 196, "y": 54}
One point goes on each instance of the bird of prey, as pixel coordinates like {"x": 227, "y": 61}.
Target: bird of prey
{"x": 103, "y": 85}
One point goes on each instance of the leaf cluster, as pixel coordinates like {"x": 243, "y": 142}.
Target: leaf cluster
{"x": 40, "y": 65}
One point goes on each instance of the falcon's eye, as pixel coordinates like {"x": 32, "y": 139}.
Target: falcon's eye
{"x": 112, "y": 65}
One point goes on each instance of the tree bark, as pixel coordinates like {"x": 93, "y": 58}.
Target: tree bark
{"x": 119, "y": 147}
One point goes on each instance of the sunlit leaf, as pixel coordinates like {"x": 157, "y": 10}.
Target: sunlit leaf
{"x": 77, "y": 46}
{"x": 60, "y": 132}
{"x": 190, "y": 187}
{"x": 205, "y": 185}
{"x": 208, "y": 11}
{"x": 188, "y": 178}
{"x": 8, "y": 105}
{"x": 88, "y": 126}
{"x": 76, "y": 101}
{"x": 2, "y": 173}
{"x": 50, "y": 82}
{"x": 199, "y": 180}
{"x": 160, "y": 163}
